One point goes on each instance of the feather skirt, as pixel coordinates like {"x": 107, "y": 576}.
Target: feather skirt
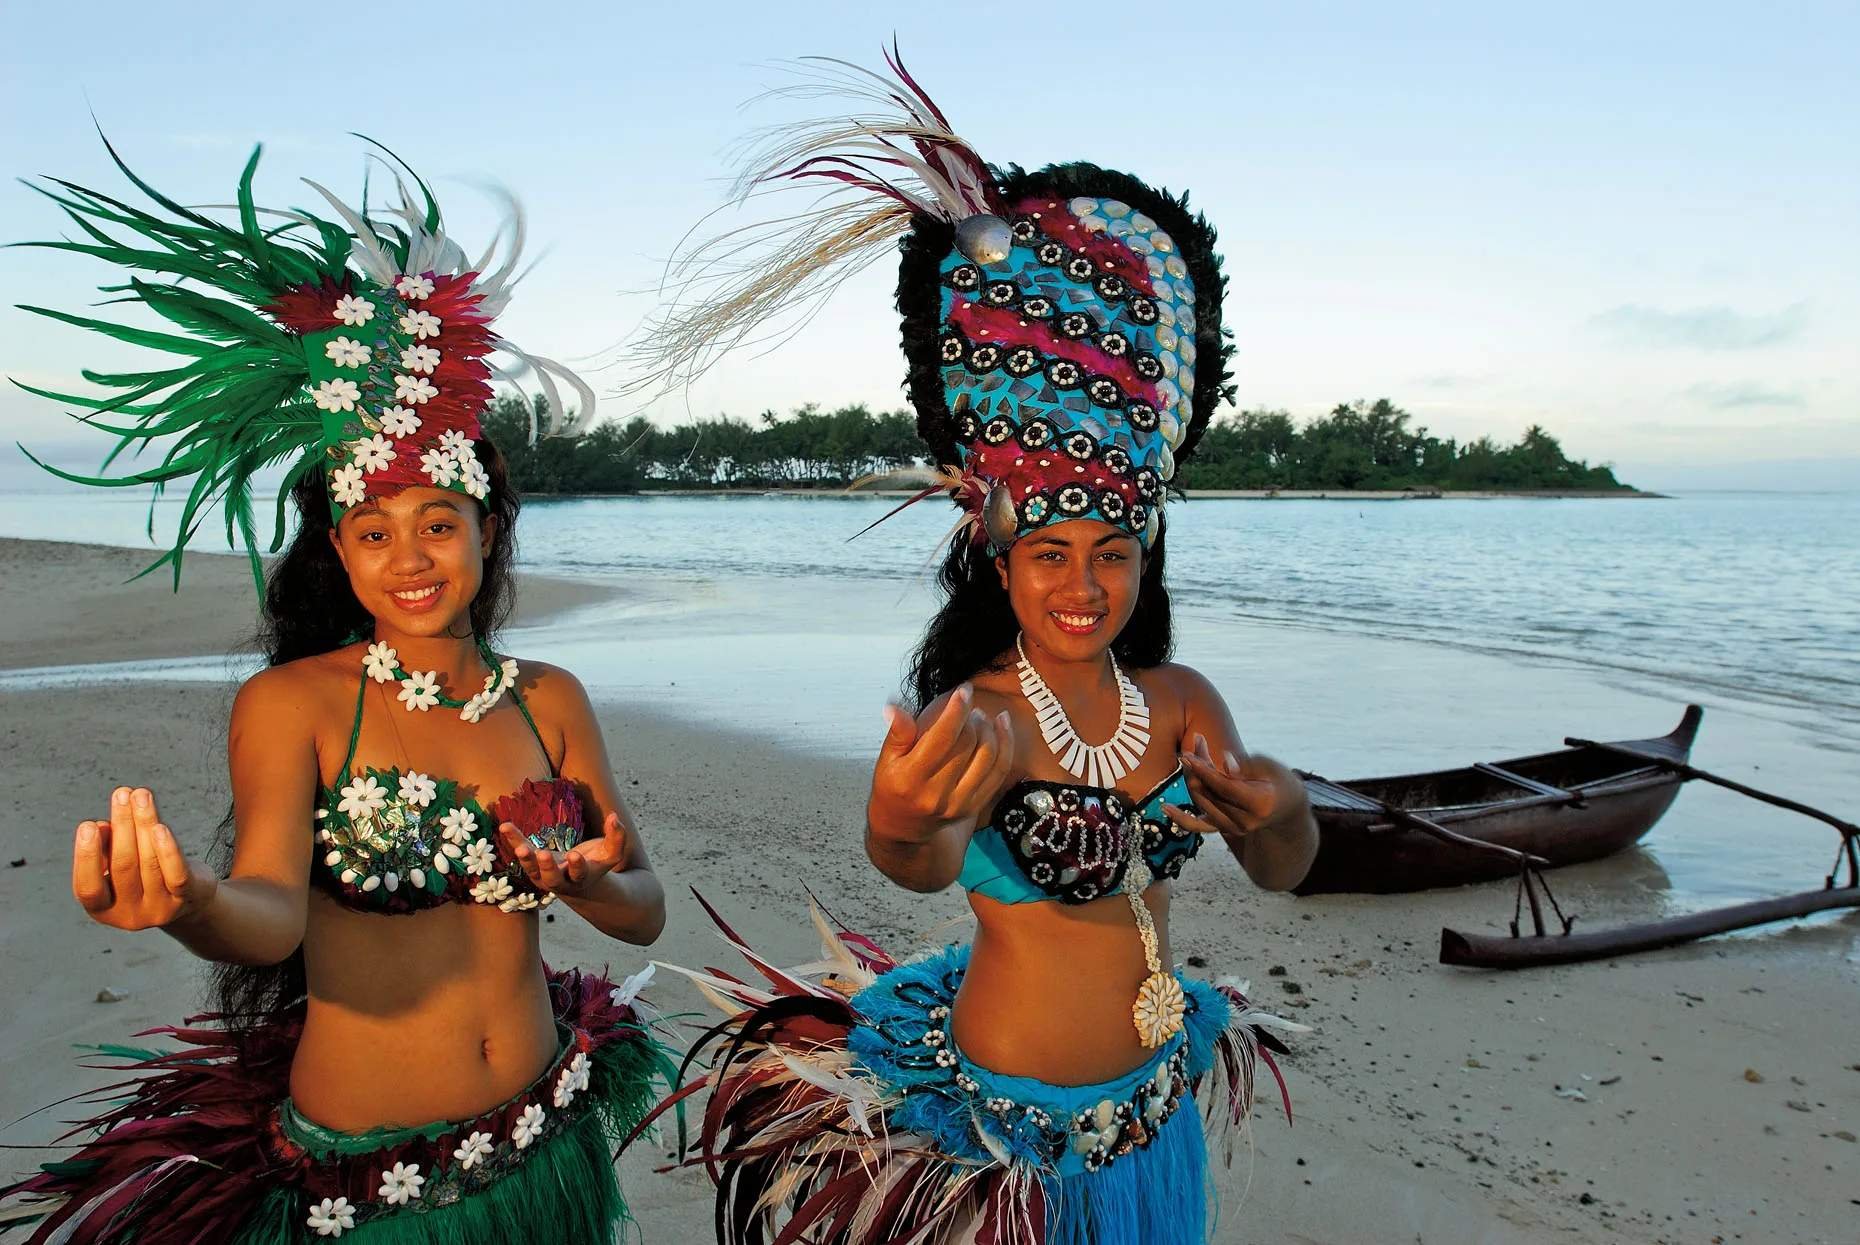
{"x": 203, "y": 1144}
{"x": 841, "y": 1113}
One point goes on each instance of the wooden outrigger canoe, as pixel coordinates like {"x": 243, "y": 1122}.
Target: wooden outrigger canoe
{"x": 1450, "y": 827}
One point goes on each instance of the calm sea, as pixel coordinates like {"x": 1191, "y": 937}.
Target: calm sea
{"x": 1754, "y": 595}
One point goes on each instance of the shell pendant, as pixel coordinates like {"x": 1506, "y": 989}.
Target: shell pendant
{"x": 1159, "y": 1010}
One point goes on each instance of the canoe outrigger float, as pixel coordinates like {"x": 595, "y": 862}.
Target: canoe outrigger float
{"x": 1521, "y": 816}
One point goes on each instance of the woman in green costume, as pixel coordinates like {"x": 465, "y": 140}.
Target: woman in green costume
{"x": 390, "y": 1060}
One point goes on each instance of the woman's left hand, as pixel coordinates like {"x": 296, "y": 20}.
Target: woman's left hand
{"x": 576, "y": 871}
{"x": 1236, "y": 795}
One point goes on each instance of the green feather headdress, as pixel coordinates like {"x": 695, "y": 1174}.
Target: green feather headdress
{"x": 355, "y": 346}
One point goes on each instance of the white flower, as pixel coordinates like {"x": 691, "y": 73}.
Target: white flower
{"x": 414, "y": 289}
{"x": 518, "y": 903}
{"x": 353, "y": 310}
{"x": 491, "y": 890}
{"x": 337, "y": 395}
{"x": 361, "y": 798}
{"x": 373, "y": 453}
{"x": 565, "y": 1089}
{"x": 475, "y": 708}
{"x": 422, "y": 324}
{"x": 509, "y": 668}
{"x": 399, "y": 421}
{"x": 456, "y": 443}
{"x": 346, "y": 352}
{"x": 473, "y": 1150}
{"x": 420, "y": 690}
{"x": 331, "y": 1217}
{"x": 576, "y": 1073}
{"x": 529, "y": 1125}
{"x": 419, "y": 359}
{"x": 440, "y": 467}
{"x": 417, "y": 789}
{"x": 345, "y": 485}
{"x": 400, "y": 1184}
{"x": 628, "y": 990}
{"x": 415, "y": 389}
{"x": 458, "y": 825}
{"x": 380, "y": 662}
{"x": 480, "y": 858}
{"x": 476, "y": 481}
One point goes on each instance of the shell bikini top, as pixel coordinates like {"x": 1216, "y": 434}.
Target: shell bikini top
{"x": 397, "y": 840}
{"x": 1069, "y": 842}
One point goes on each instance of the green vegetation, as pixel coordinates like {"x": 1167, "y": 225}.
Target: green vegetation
{"x": 1361, "y": 445}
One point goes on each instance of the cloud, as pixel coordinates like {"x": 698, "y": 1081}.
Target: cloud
{"x": 1740, "y": 394}
{"x": 1700, "y": 328}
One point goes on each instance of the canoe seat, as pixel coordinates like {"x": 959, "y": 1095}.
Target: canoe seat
{"x": 1529, "y": 784}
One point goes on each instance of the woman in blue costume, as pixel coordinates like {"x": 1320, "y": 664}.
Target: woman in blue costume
{"x": 1063, "y": 329}
{"x": 389, "y": 1061}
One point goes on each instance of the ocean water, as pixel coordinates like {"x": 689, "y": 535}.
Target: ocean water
{"x": 1753, "y": 595}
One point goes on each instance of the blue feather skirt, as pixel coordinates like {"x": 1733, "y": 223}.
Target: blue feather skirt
{"x": 842, "y": 1113}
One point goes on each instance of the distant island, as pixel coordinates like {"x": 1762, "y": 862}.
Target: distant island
{"x": 1358, "y": 447}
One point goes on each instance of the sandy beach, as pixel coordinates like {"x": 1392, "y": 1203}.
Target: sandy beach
{"x": 1709, "y": 1093}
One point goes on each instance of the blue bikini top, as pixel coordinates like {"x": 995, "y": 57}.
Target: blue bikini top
{"x": 1062, "y": 841}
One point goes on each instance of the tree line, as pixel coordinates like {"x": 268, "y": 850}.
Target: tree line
{"x": 1357, "y": 445}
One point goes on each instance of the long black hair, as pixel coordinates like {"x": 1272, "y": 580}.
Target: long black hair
{"x": 976, "y": 627}
{"x": 309, "y": 608}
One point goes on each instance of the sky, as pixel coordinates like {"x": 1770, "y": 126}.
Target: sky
{"x": 1634, "y": 224}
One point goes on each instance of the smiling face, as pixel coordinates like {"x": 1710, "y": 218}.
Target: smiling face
{"x": 416, "y": 559}
{"x": 1073, "y": 586}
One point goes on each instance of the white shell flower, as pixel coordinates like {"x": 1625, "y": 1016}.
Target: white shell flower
{"x": 457, "y": 444}
{"x": 419, "y": 359}
{"x": 347, "y": 352}
{"x": 331, "y": 1217}
{"x": 526, "y": 902}
{"x": 420, "y": 690}
{"x": 414, "y": 289}
{"x": 481, "y": 858}
{"x": 353, "y": 310}
{"x": 399, "y": 421}
{"x": 380, "y": 661}
{"x": 1159, "y": 1009}
{"x": 564, "y": 1089}
{"x": 373, "y": 453}
{"x": 491, "y": 890}
{"x": 440, "y": 467}
{"x": 362, "y": 798}
{"x": 475, "y": 708}
{"x": 401, "y": 1184}
{"x": 336, "y": 395}
{"x": 345, "y": 485}
{"x": 458, "y": 825}
{"x": 422, "y": 324}
{"x": 475, "y": 479}
{"x": 529, "y": 1125}
{"x": 417, "y": 789}
{"x": 473, "y": 1150}
{"x": 415, "y": 389}
{"x": 577, "y": 1071}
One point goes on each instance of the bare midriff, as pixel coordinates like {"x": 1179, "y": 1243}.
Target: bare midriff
{"x": 1049, "y": 988}
{"x": 437, "y": 1015}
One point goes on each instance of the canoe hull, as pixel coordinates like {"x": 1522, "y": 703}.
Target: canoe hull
{"x": 1360, "y": 852}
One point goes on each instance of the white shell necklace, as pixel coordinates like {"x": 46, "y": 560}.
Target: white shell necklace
{"x": 1100, "y": 765}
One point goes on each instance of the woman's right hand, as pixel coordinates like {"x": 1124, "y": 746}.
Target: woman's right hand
{"x": 943, "y": 769}
{"x": 129, "y": 871}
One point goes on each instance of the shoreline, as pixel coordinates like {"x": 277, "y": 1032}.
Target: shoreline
{"x": 1265, "y": 494}
{"x": 1430, "y": 1103}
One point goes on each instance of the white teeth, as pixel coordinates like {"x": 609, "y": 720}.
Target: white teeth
{"x": 420, "y": 595}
